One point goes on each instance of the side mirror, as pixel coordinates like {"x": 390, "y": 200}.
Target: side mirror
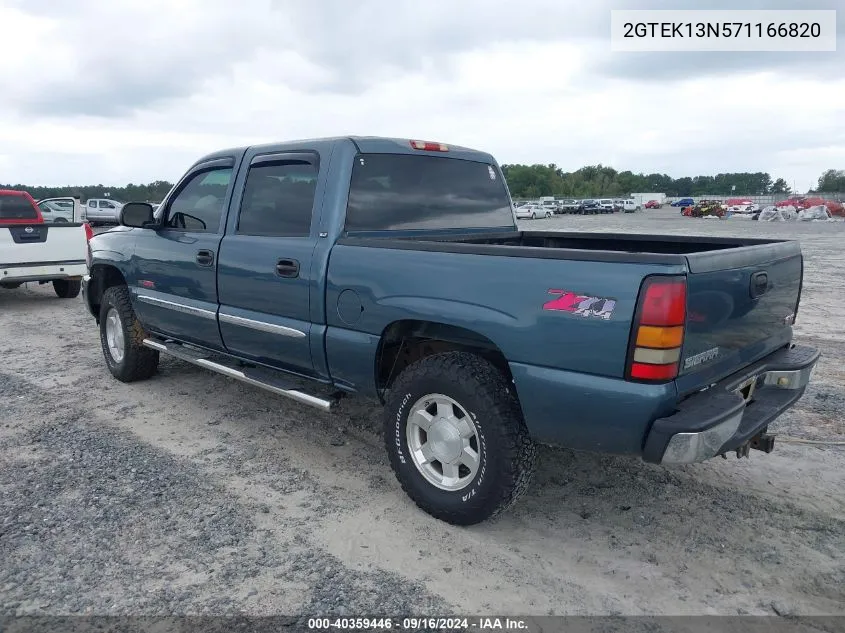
{"x": 137, "y": 214}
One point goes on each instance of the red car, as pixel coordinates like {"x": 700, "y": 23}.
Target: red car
{"x": 652, "y": 204}
{"x": 18, "y": 207}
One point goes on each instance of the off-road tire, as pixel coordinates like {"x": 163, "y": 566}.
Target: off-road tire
{"x": 506, "y": 452}
{"x": 138, "y": 362}
{"x": 67, "y": 288}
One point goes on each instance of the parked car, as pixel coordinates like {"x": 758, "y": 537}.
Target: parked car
{"x": 549, "y": 205}
{"x": 567, "y": 205}
{"x": 654, "y": 351}
{"x": 607, "y": 205}
{"x": 589, "y": 207}
{"x": 57, "y": 210}
{"x": 32, "y": 250}
{"x": 630, "y": 205}
{"x": 103, "y": 211}
{"x": 683, "y": 202}
{"x": 653, "y": 204}
{"x": 744, "y": 209}
{"x": 532, "y": 212}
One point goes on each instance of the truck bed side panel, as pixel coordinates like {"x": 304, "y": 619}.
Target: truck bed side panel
{"x": 501, "y": 298}
{"x": 555, "y": 355}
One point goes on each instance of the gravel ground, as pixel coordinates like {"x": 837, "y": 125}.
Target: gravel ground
{"x": 195, "y": 494}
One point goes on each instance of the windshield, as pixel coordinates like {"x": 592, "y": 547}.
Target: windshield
{"x": 407, "y": 192}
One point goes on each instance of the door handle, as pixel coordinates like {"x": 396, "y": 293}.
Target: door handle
{"x": 287, "y": 268}
{"x": 205, "y": 257}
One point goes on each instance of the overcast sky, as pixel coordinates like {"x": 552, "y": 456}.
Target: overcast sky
{"x": 135, "y": 90}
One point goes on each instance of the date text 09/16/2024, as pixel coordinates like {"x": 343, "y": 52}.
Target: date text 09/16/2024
{"x": 418, "y": 624}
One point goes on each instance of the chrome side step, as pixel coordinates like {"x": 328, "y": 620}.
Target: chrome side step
{"x": 252, "y": 376}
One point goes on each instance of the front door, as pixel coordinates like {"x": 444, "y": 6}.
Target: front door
{"x": 264, "y": 270}
{"x": 174, "y": 266}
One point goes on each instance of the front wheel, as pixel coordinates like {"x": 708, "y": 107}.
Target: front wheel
{"x": 456, "y": 438}
{"x": 533, "y": 216}
{"x": 121, "y": 336}
{"x": 67, "y": 288}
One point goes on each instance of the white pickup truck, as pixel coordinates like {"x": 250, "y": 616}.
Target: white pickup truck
{"x": 34, "y": 250}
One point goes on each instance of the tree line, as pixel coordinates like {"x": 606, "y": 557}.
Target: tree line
{"x": 533, "y": 181}
{"x": 152, "y": 192}
{"x": 530, "y": 181}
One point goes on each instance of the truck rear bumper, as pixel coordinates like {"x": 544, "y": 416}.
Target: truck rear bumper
{"x": 42, "y": 271}
{"x": 728, "y": 415}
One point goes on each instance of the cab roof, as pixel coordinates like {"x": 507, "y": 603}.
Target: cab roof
{"x": 365, "y": 144}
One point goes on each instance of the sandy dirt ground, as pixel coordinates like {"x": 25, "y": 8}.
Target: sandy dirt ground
{"x": 195, "y": 494}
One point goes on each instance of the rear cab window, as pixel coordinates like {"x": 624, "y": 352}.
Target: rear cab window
{"x": 391, "y": 192}
{"x": 14, "y": 206}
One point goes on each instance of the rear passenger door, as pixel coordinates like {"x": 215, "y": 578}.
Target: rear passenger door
{"x": 264, "y": 274}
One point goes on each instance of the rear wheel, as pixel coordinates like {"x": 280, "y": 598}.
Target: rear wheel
{"x": 456, "y": 438}
{"x": 67, "y": 288}
{"x": 548, "y": 215}
{"x": 121, "y": 336}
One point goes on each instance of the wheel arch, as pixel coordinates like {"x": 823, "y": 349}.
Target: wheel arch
{"x": 103, "y": 276}
{"x": 406, "y": 341}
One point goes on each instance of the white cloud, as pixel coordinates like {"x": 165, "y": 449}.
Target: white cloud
{"x": 138, "y": 90}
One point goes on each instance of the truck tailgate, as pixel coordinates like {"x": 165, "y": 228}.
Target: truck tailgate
{"x": 42, "y": 243}
{"x": 741, "y": 304}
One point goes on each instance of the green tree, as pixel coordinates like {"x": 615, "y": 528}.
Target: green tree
{"x": 152, "y": 192}
{"x": 832, "y": 181}
{"x": 780, "y": 186}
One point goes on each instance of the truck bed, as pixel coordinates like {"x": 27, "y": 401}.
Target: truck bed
{"x": 605, "y": 247}
{"x": 742, "y": 294}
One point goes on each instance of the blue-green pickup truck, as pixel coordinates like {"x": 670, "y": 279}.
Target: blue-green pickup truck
{"x": 394, "y": 269}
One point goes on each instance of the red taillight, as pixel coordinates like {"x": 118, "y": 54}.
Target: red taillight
{"x": 89, "y": 233}
{"x": 643, "y": 371}
{"x": 429, "y": 146}
{"x": 664, "y": 303}
{"x": 658, "y": 329}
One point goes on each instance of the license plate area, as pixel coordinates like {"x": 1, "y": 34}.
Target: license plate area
{"x": 746, "y": 388}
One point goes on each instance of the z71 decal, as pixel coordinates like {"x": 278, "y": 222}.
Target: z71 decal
{"x": 581, "y": 305}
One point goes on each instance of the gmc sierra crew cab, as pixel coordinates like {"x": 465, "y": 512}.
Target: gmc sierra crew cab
{"x": 394, "y": 269}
